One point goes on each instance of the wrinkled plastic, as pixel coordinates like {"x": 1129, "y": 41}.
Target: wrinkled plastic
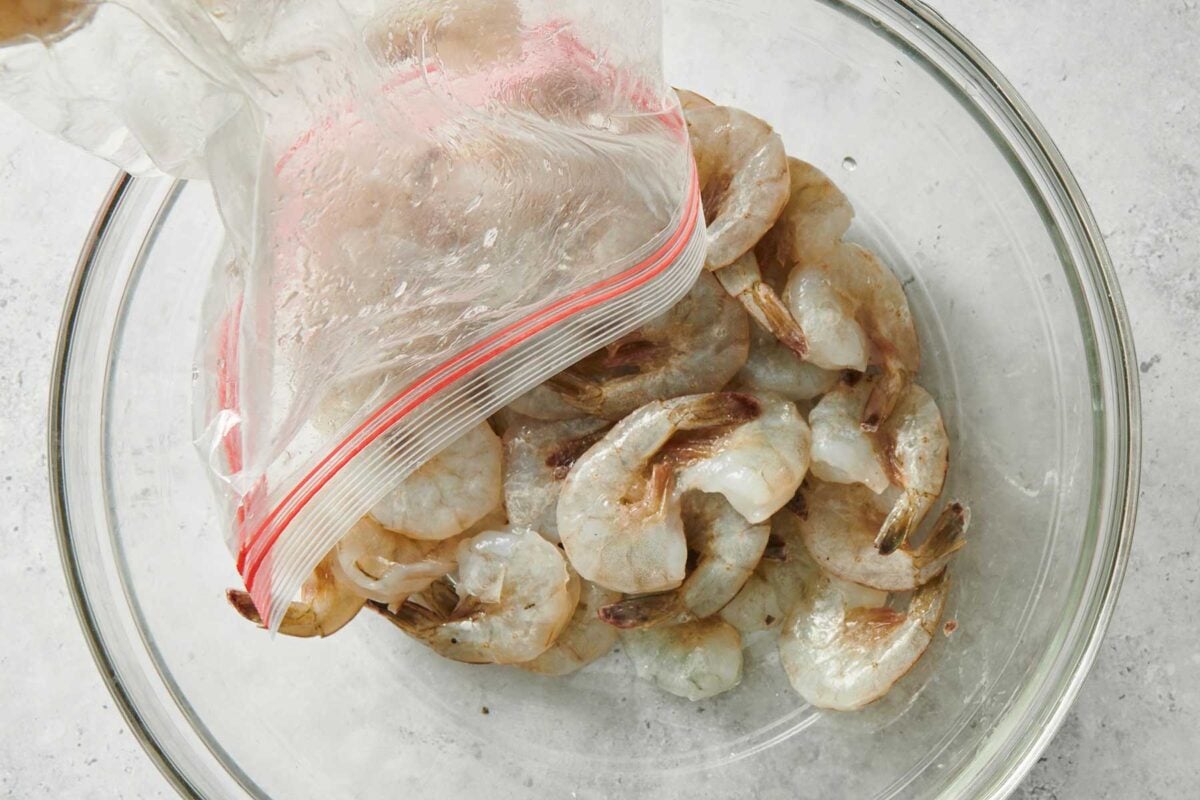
{"x": 431, "y": 206}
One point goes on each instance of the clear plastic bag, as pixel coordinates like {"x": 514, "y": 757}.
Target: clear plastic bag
{"x": 432, "y": 207}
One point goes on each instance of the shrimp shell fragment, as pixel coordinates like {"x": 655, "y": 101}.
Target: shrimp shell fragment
{"x": 843, "y": 651}
{"x": 743, "y": 173}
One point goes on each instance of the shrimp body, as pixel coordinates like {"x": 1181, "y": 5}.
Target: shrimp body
{"x": 619, "y": 513}
{"x": 843, "y": 649}
{"x": 728, "y": 549}
{"x": 853, "y": 312}
{"x": 515, "y": 595}
{"x": 326, "y": 604}
{"x": 743, "y": 174}
{"x": 694, "y": 660}
{"x": 697, "y": 346}
{"x": 812, "y": 224}
{"x": 917, "y": 450}
{"x": 772, "y": 367}
{"x": 386, "y": 566}
{"x": 758, "y": 465}
{"x": 450, "y": 492}
{"x": 842, "y": 452}
{"x": 537, "y": 457}
{"x": 839, "y": 532}
{"x": 585, "y": 639}
{"x": 543, "y": 402}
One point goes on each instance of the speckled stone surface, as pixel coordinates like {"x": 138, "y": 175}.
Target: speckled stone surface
{"x": 1116, "y": 82}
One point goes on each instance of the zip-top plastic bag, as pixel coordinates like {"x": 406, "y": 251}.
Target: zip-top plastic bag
{"x": 432, "y": 208}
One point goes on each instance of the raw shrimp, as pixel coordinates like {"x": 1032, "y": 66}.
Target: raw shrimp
{"x": 544, "y": 403}
{"x": 43, "y": 19}
{"x": 537, "y": 457}
{"x": 917, "y": 452}
{"x": 585, "y": 639}
{"x": 843, "y": 649}
{"x": 758, "y": 465}
{"x": 853, "y": 312}
{"x": 772, "y": 367}
{"x": 690, "y": 100}
{"x": 326, "y": 604}
{"x": 343, "y": 401}
{"x": 839, "y": 531}
{"x": 694, "y": 660}
{"x": 515, "y": 595}
{"x": 727, "y": 549}
{"x": 842, "y": 452}
{"x": 911, "y": 451}
{"x": 696, "y": 346}
{"x": 813, "y": 222}
{"x": 450, "y": 492}
{"x": 743, "y": 280}
{"x": 386, "y": 566}
{"x": 743, "y": 173}
{"x": 777, "y": 583}
{"x": 619, "y": 512}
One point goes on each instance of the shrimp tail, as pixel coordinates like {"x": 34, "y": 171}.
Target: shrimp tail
{"x": 641, "y": 612}
{"x": 743, "y": 281}
{"x": 946, "y": 537}
{"x": 899, "y": 525}
{"x": 718, "y": 409}
{"x": 776, "y": 549}
{"x": 244, "y": 605}
{"x": 578, "y": 390}
{"x": 409, "y": 617}
{"x": 882, "y": 401}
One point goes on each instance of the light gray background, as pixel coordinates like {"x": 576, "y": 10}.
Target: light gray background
{"x": 1116, "y": 82}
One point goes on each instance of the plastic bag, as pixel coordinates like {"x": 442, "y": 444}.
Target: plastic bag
{"x": 432, "y": 207}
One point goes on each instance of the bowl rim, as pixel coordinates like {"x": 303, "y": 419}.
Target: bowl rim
{"x": 1125, "y": 412}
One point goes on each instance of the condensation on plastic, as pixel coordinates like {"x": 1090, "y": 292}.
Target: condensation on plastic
{"x": 431, "y": 207}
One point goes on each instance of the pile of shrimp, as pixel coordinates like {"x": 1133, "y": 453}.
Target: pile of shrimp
{"x": 757, "y": 462}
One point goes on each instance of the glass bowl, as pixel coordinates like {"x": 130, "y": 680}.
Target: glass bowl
{"x": 1026, "y": 347}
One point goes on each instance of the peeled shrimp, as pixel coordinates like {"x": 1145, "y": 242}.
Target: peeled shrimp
{"x": 537, "y": 457}
{"x": 585, "y": 639}
{"x": 777, "y": 583}
{"x": 326, "y": 604}
{"x": 743, "y": 280}
{"x": 843, "y": 649}
{"x": 696, "y": 346}
{"x": 757, "y": 465}
{"x": 743, "y": 174}
{"x": 515, "y": 595}
{"x": 853, "y": 312}
{"x": 694, "y": 660}
{"x": 813, "y": 222}
{"x": 839, "y": 531}
{"x": 544, "y": 403}
{"x": 450, "y": 492}
{"x": 772, "y": 367}
{"x": 619, "y": 512}
{"x": 911, "y": 451}
{"x": 728, "y": 549}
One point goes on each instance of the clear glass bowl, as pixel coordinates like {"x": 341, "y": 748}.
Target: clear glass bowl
{"x": 1026, "y": 347}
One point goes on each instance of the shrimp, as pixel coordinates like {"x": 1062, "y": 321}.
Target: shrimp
{"x": 813, "y": 222}
{"x": 697, "y": 346}
{"x": 853, "y": 312}
{"x": 619, "y": 514}
{"x": 911, "y": 451}
{"x": 777, "y": 583}
{"x": 585, "y": 639}
{"x": 450, "y": 492}
{"x": 326, "y": 604}
{"x": 743, "y": 173}
{"x": 743, "y": 280}
{"x": 757, "y": 465}
{"x": 544, "y": 403}
{"x": 727, "y": 548}
{"x": 515, "y": 596}
{"x": 537, "y": 457}
{"x": 839, "y": 531}
{"x": 387, "y": 567}
{"x": 772, "y": 367}
{"x": 43, "y": 19}
{"x": 694, "y": 660}
{"x": 843, "y": 649}
{"x": 690, "y": 101}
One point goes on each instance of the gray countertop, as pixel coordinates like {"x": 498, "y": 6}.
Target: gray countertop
{"x": 1116, "y": 82}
